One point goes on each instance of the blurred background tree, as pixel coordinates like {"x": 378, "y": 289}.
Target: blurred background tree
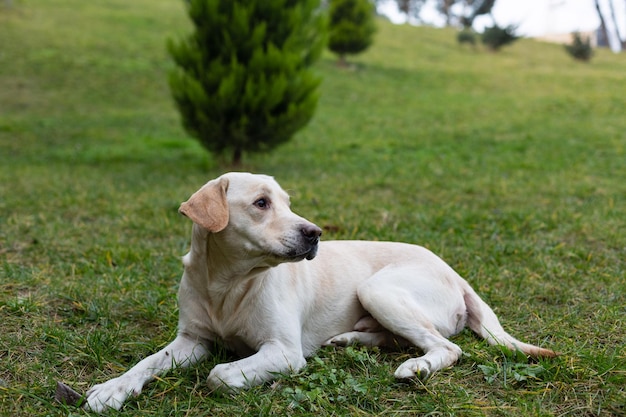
{"x": 455, "y": 12}
{"x": 580, "y": 48}
{"x": 243, "y": 80}
{"x": 495, "y": 37}
{"x": 351, "y": 27}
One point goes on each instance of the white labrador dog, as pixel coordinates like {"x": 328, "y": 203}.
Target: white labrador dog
{"x": 244, "y": 285}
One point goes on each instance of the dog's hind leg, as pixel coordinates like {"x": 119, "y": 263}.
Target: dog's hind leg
{"x": 423, "y": 306}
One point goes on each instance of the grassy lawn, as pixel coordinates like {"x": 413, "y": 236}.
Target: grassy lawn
{"x": 511, "y": 166}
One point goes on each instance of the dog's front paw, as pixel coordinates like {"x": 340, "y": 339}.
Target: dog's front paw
{"x": 110, "y": 395}
{"x": 414, "y": 368}
{"x": 228, "y": 378}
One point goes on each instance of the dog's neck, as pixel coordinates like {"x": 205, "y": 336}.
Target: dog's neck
{"x": 219, "y": 275}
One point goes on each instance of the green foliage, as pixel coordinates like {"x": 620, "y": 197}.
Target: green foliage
{"x": 506, "y": 371}
{"x": 323, "y": 384}
{"x": 495, "y": 37}
{"x": 351, "y": 26}
{"x": 580, "y": 49}
{"x": 243, "y": 80}
{"x": 512, "y": 368}
{"x": 466, "y": 36}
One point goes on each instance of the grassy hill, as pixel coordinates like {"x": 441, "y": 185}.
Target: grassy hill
{"x": 511, "y": 166}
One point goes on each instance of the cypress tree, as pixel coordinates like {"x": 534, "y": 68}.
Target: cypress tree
{"x": 242, "y": 80}
{"x": 351, "y": 27}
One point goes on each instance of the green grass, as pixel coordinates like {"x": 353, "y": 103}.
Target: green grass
{"x": 511, "y": 166}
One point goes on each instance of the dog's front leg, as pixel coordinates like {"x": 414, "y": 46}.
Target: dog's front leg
{"x": 272, "y": 358}
{"x": 182, "y": 351}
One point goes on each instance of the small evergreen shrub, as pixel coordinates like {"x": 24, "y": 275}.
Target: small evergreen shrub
{"x": 580, "y": 49}
{"x": 351, "y": 27}
{"x": 495, "y": 37}
{"x": 243, "y": 80}
{"x": 466, "y": 36}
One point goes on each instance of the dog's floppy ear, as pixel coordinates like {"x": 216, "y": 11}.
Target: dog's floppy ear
{"x": 208, "y": 206}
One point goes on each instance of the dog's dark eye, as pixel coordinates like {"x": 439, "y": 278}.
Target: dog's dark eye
{"x": 262, "y": 203}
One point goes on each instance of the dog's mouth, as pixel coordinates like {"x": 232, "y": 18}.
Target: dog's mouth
{"x": 303, "y": 245}
{"x": 312, "y": 253}
{"x": 300, "y": 254}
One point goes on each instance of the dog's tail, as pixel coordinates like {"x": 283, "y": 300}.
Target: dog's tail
{"x": 484, "y": 322}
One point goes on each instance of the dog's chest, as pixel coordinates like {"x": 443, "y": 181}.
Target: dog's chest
{"x": 229, "y": 330}
{"x": 232, "y": 317}
{"x": 237, "y": 345}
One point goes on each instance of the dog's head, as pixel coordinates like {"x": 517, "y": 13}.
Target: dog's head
{"x": 248, "y": 215}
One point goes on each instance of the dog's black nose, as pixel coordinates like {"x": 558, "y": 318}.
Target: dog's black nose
{"x": 311, "y": 233}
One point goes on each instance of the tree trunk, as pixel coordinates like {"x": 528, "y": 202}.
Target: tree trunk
{"x": 342, "y": 62}
{"x": 603, "y": 30}
{"x": 620, "y": 40}
{"x": 237, "y": 157}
